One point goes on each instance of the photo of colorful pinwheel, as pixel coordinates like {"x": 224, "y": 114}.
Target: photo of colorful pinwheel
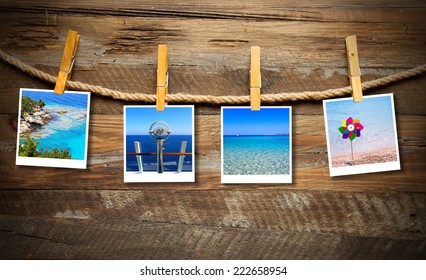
{"x": 374, "y": 120}
{"x": 351, "y": 129}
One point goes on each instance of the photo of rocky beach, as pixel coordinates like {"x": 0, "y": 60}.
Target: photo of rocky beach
{"x": 52, "y": 125}
{"x": 375, "y": 144}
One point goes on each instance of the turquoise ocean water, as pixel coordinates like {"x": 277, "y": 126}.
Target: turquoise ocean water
{"x": 375, "y": 114}
{"x": 64, "y": 131}
{"x": 256, "y": 155}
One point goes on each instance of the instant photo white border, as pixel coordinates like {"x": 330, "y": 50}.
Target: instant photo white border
{"x": 53, "y": 162}
{"x": 364, "y": 168}
{"x": 152, "y": 176}
{"x": 255, "y": 179}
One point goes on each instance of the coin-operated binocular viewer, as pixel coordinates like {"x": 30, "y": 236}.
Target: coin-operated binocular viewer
{"x": 159, "y": 132}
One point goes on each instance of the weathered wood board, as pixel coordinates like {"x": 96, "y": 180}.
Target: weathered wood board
{"x": 48, "y": 213}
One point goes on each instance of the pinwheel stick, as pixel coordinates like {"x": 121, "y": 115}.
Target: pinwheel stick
{"x": 351, "y": 129}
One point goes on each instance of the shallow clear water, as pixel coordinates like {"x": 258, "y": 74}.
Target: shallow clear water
{"x": 64, "y": 131}
{"x": 256, "y": 155}
{"x": 150, "y": 162}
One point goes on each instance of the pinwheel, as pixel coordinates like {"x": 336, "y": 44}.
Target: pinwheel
{"x": 351, "y": 129}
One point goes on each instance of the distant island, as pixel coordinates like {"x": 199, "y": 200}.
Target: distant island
{"x": 33, "y": 116}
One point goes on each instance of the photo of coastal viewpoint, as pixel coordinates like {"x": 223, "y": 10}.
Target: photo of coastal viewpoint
{"x": 256, "y": 145}
{"x": 158, "y": 145}
{"x": 361, "y": 136}
{"x": 53, "y": 128}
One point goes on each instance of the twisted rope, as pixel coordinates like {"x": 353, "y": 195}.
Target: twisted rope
{"x": 217, "y": 100}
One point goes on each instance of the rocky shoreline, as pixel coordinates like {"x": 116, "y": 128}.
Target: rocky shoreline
{"x": 31, "y": 121}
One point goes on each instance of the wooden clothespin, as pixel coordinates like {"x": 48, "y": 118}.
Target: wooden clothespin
{"x": 67, "y": 63}
{"x": 162, "y": 77}
{"x": 255, "y": 79}
{"x": 354, "y": 69}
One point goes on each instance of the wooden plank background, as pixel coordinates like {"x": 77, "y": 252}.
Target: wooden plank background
{"x": 48, "y": 213}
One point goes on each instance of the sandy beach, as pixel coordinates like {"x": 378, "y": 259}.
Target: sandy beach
{"x": 378, "y": 156}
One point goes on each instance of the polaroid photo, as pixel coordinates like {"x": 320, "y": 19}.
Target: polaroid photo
{"x": 53, "y": 128}
{"x": 159, "y": 145}
{"x": 361, "y": 136}
{"x": 256, "y": 145}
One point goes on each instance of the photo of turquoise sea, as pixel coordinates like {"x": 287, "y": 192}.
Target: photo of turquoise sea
{"x": 138, "y": 120}
{"x": 53, "y": 125}
{"x": 256, "y": 142}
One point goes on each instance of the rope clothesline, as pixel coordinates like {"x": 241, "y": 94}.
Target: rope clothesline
{"x": 210, "y": 99}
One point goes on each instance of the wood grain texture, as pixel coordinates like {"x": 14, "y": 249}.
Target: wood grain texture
{"x": 193, "y": 42}
{"x": 48, "y": 213}
{"x": 330, "y": 10}
{"x": 59, "y": 239}
{"x": 261, "y": 224}
{"x": 384, "y": 215}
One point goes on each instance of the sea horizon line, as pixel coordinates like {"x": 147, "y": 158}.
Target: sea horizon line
{"x": 148, "y": 134}
{"x": 239, "y": 135}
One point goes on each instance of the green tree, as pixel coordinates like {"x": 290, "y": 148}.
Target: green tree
{"x": 56, "y": 153}
{"x": 28, "y": 105}
{"x": 29, "y": 149}
{"x": 41, "y": 104}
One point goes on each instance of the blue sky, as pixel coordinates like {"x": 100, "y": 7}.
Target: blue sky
{"x": 244, "y": 121}
{"x": 139, "y": 119}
